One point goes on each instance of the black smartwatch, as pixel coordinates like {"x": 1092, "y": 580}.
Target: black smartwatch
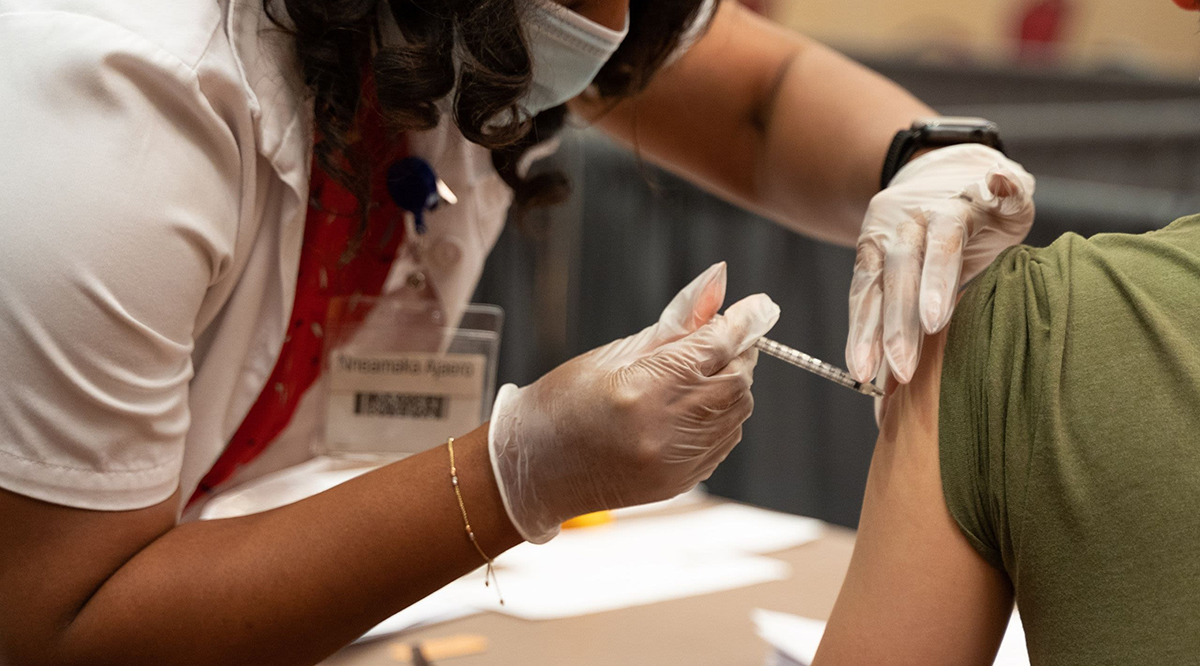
{"x": 936, "y": 133}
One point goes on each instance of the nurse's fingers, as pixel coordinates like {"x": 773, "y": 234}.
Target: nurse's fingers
{"x": 864, "y": 347}
{"x": 888, "y": 384}
{"x": 721, "y": 450}
{"x": 901, "y": 285}
{"x": 717, "y": 343}
{"x": 694, "y": 306}
{"x": 945, "y": 239}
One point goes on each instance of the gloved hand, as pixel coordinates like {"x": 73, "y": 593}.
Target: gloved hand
{"x": 942, "y": 220}
{"x": 641, "y": 419}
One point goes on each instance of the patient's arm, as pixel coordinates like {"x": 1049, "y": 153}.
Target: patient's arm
{"x": 916, "y": 591}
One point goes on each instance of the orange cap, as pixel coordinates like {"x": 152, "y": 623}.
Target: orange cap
{"x": 589, "y": 520}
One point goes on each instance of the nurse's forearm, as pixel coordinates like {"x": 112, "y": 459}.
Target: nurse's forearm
{"x": 827, "y": 132}
{"x": 771, "y": 120}
{"x": 288, "y": 587}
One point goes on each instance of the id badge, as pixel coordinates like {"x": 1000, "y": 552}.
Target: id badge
{"x": 400, "y": 380}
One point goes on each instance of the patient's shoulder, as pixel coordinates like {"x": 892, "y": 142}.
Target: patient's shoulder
{"x": 1050, "y": 363}
{"x": 1068, "y": 412}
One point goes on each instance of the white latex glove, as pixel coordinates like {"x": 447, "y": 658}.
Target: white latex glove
{"x": 639, "y": 420}
{"x": 943, "y": 219}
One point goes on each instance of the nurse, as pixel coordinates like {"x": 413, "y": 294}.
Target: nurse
{"x": 186, "y": 186}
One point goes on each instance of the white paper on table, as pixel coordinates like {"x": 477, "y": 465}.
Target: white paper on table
{"x": 793, "y": 636}
{"x": 643, "y": 560}
{"x": 569, "y": 591}
{"x": 776, "y": 658}
{"x": 797, "y": 637}
{"x": 694, "y": 496}
{"x": 566, "y": 589}
{"x": 730, "y": 529}
{"x": 636, "y": 561}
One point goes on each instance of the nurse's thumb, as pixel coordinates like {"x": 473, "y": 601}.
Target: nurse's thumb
{"x": 723, "y": 339}
{"x": 695, "y": 305}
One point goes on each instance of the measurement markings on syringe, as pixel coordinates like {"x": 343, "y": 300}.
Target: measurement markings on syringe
{"x": 400, "y": 405}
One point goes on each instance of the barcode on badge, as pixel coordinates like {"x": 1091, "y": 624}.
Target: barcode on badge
{"x": 400, "y": 405}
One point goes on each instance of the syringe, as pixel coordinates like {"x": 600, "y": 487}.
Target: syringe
{"x": 816, "y": 366}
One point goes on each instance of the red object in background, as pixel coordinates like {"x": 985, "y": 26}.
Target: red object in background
{"x": 1191, "y": 5}
{"x": 1042, "y": 26}
{"x": 326, "y": 271}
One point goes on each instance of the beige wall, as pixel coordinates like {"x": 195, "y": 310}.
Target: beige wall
{"x": 1153, "y": 34}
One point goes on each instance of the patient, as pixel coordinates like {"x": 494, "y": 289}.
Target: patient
{"x": 1047, "y": 450}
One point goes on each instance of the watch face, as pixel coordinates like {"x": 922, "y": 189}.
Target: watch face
{"x": 953, "y": 121}
{"x": 958, "y": 129}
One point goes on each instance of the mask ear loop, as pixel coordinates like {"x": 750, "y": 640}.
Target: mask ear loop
{"x": 571, "y": 27}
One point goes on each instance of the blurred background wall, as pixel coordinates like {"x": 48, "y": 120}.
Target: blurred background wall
{"x": 1148, "y": 35}
{"x": 1098, "y": 98}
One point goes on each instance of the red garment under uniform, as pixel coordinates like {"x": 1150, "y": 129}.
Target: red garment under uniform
{"x": 325, "y": 272}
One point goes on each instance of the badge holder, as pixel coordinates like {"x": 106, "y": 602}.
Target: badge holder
{"x": 400, "y": 380}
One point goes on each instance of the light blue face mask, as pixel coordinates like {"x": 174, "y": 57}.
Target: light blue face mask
{"x": 567, "y": 51}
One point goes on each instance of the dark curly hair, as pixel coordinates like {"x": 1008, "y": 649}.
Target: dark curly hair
{"x": 336, "y": 41}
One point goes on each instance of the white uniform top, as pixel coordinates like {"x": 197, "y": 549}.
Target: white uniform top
{"x": 153, "y": 192}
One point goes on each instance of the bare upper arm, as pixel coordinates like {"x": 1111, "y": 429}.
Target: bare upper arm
{"x": 916, "y": 591}
{"x": 53, "y": 558}
{"x": 768, "y": 119}
{"x": 701, "y": 116}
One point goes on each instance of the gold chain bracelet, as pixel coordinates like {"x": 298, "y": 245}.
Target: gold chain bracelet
{"x": 490, "y": 574}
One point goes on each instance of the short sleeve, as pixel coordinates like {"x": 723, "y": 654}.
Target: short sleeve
{"x": 120, "y": 207}
{"x": 1004, "y": 333}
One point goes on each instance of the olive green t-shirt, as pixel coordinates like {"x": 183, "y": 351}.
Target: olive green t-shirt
{"x": 1070, "y": 441}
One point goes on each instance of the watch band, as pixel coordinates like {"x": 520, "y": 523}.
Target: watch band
{"x": 936, "y": 133}
{"x": 904, "y": 144}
